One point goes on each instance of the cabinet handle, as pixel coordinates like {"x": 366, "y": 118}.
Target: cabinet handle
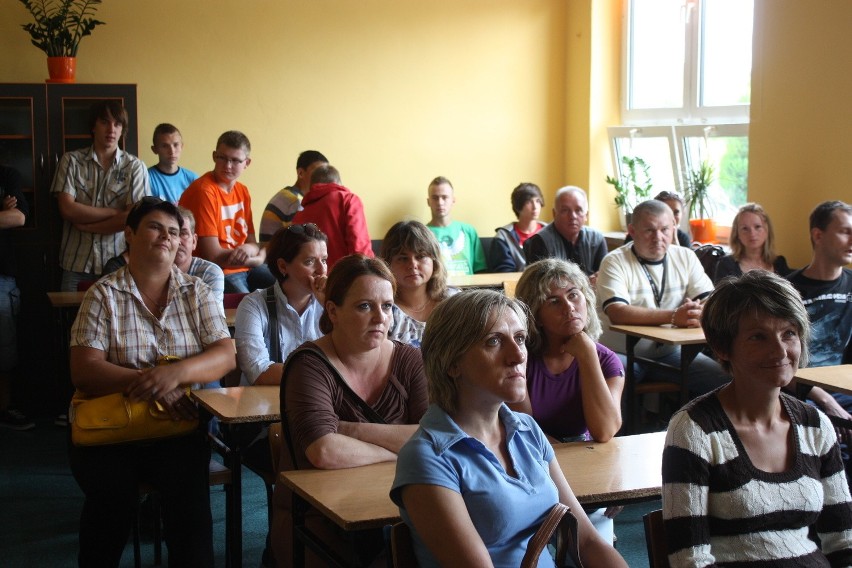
{"x": 41, "y": 161}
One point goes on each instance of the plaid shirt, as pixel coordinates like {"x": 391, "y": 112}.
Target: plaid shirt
{"x": 83, "y": 178}
{"x": 114, "y": 319}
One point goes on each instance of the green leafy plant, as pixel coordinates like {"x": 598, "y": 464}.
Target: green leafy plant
{"x": 697, "y": 183}
{"x": 633, "y": 184}
{"x": 60, "y": 24}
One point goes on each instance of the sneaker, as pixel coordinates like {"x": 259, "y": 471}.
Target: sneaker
{"x": 15, "y": 420}
{"x": 61, "y": 420}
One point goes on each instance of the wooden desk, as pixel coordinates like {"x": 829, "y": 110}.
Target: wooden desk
{"x": 490, "y": 280}
{"x": 834, "y": 377}
{"x": 691, "y": 341}
{"x": 235, "y": 406}
{"x": 621, "y": 471}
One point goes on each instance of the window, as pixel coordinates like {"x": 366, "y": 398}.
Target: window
{"x": 687, "y": 61}
{"x": 686, "y": 94}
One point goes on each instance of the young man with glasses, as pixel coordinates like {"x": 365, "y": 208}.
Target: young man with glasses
{"x": 222, "y": 209}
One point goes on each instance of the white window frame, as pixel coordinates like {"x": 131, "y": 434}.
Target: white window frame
{"x": 693, "y": 112}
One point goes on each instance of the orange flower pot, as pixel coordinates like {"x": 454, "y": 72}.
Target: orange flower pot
{"x": 61, "y": 69}
{"x": 703, "y": 230}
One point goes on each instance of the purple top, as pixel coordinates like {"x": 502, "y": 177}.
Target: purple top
{"x": 556, "y": 400}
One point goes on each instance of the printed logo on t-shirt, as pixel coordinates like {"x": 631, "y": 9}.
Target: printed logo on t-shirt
{"x": 234, "y": 223}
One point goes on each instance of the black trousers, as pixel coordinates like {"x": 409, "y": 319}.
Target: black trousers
{"x": 110, "y": 476}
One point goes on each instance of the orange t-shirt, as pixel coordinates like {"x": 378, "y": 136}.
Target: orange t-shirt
{"x": 226, "y": 216}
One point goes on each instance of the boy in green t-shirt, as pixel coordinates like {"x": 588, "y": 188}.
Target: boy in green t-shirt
{"x": 461, "y": 249}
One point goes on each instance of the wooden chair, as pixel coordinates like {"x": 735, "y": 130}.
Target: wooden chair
{"x": 402, "y": 547}
{"x": 655, "y": 539}
{"x": 218, "y": 475}
{"x": 509, "y": 287}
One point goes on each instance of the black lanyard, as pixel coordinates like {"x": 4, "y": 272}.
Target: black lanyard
{"x": 658, "y": 292}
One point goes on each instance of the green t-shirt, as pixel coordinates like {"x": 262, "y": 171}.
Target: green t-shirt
{"x": 461, "y": 249}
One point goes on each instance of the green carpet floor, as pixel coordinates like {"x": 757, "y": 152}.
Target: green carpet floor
{"x": 40, "y": 505}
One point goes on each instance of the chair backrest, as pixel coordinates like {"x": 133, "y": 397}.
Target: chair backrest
{"x": 231, "y": 300}
{"x": 655, "y": 539}
{"x": 276, "y": 442}
{"x": 402, "y": 547}
{"x": 509, "y": 287}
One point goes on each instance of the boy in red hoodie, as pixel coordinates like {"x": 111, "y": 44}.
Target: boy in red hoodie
{"x": 338, "y": 213}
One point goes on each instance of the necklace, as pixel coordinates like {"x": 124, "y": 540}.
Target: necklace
{"x": 421, "y": 308}
{"x": 160, "y": 307}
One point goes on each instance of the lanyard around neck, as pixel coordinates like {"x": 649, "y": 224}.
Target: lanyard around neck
{"x": 658, "y": 292}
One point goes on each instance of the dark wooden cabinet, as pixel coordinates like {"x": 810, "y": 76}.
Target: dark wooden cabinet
{"x": 39, "y": 123}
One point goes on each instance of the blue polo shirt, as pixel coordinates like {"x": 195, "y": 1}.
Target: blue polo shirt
{"x": 506, "y": 511}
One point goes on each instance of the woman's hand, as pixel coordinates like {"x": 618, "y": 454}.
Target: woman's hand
{"x": 318, "y": 287}
{"x": 154, "y": 383}
{"x": 579, "y": 345}
{"x": 178, "y": 405}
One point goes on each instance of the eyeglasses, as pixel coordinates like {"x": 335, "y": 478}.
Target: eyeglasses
{"x": 227, "y": 160}
{"x": 309, "y": 229}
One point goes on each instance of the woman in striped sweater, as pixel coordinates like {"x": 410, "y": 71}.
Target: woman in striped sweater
{"x": 748, "y": 470}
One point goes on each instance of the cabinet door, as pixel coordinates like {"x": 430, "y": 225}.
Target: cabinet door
{"x": 23, "y": 145}
{"x": 68, "y": 111}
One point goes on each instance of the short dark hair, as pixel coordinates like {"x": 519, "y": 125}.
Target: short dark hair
{"x": 523, "y": 193}
{"x": 162, "y": 129}
{"x": 325, "y": 174}
{"x": 287, "y": 242}
{"x": 109, "y": 109}
{"x": 148, "y": 204}
{"x": 823, "y": 213}
{"x": 416, "y": 237}
{"x": 755, "y": 292}
{"x": 343, "y": 275}
{"x": 235, "y": 139}
{"x": 309, "y": 157}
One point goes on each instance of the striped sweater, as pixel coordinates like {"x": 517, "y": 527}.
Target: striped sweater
{"x": 720, "y": 510}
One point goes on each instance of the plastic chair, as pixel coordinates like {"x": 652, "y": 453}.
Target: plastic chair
{"x": 655, "y": 539}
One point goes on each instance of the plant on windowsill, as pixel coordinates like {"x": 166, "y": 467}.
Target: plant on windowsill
{"x": 58, "y": 28}
{"x": 697, "y": 184}
{"x": 632, "y": 186}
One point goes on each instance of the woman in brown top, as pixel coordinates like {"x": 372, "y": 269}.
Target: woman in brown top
{"x": 353, "y": 397}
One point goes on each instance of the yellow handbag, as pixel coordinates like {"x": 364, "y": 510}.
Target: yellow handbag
{"x": 115, "y": 419}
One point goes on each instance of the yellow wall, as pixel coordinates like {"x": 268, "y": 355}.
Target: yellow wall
{"x": 800, "y": 137}
{"x": 394, "y": 92}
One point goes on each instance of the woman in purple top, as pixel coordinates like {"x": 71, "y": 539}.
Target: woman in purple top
{"x": 574, "y": 383}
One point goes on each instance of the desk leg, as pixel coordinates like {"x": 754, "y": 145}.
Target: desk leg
{"x": 632, "y": 405}
{"x": 233, "y": 500}
{"x": 688, "y": 353}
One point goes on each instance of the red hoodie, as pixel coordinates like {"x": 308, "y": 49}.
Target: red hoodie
{"x": 339, "y": 214}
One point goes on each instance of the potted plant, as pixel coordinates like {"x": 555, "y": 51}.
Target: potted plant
{"x": 632, "y": 186}
{"x": 58, "y": 28}
{"x": 697, "y": 184}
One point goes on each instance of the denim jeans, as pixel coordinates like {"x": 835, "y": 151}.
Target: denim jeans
{"x": 10, "y": 304}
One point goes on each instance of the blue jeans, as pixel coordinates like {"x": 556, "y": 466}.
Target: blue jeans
{"x": 249, "y": 280}
{"x": 10, "y": 304}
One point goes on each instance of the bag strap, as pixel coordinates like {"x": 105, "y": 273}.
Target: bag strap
{"x": 272, "y": 309}
{"x": 559, "y": 520}
{"x": 371, "y": 414}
